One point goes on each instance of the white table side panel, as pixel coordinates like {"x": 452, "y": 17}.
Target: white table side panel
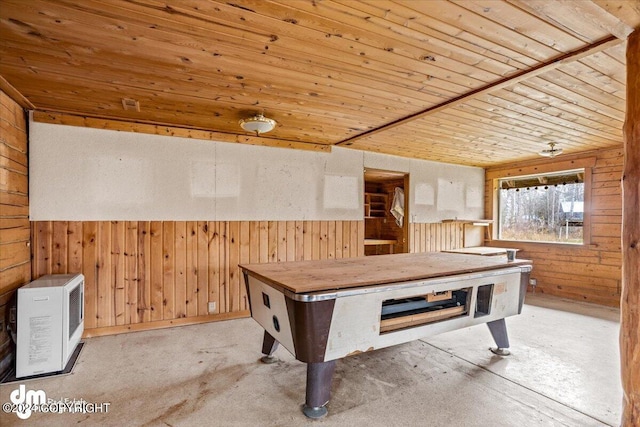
{"x": 264, "y": 315}
{"x": 355, "y": 323}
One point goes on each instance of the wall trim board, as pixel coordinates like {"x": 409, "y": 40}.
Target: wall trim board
{"x": 537, "y": 167}
{"x": 162, "y": 324}
{"x": 53, "y": 117}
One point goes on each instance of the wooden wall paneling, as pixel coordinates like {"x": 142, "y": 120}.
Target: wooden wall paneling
{"x": 16, "y": 265}
{"x": 290, "y": 238}
{"x": 118, "y": 276}
{"x": 299, "y": 236}
{"x": 214, "y": 266}
{"x": 315, "y": 240}
{"x": 245, "y": 258}
{"x": 281, "y": 248}
{"x": 12, "y": 181}
{"x": 414, "y": 242}
{"x": 360, "y": 237}
{"x": 131, "y": 272}
{"x": 264, "y": 242}
{"x": 13, "y": 228}
{"x": 104, "y": 284}
{"x": 235, "y": 258}
{"x": 202, "y": 262}
{"x": 144, "y": 271}
{"x": 15, "y": 277}
{"x": 254, "y": 242}
{"x": 156, "y": 271}
{"x": 233, "y": 239}
{"x": 89, "y": 255}
{"x": 191, "y": 269}
{"x": 324, "y": 240}
{"x": 307, "y": 234}
{"x": 272, "y": 243}
{"x": 59, "y": 251}
{"x": 339, "y": 240}
{"x": 331, "y": 239}
{"x": 346, "y": 239}
{"x": 224, "y": 266}
{"x": 423, "y": 231}
{"x": 42, "y": 241}
{"x": 435, "y": 237}
{"x": 168, "y": 270}
{"x": 445, "y": 236}
{"x": 427, "y": 236}
{"x": 180, "y": 269}
{"x": 14, "y": 254}
{"x": 74, "y": 245}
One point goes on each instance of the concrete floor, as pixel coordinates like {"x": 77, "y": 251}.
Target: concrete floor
{"x": 563, "y": 370}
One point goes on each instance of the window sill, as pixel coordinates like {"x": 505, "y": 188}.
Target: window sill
{"x": 534, "y": 243}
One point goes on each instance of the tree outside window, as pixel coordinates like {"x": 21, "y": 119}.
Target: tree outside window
{"x": 542, "y": 208}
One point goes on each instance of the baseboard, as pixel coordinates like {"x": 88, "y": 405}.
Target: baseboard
{"x": 160, "y": 324}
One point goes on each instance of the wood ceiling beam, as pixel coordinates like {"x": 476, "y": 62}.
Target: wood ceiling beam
{"x": 14, "y": 94}
{"x": 516, "y": 78}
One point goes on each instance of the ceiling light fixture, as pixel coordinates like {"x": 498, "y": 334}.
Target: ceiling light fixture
{"x": 258, "y": 124}
{"x": 552, "y": 151}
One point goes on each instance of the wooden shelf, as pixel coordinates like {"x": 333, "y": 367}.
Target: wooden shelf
{"x": 488, "y": 230}
{"x": 375, "y": 205}
{"x": 476, "y": 222}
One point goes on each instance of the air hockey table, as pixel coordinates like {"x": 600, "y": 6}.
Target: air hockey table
{"x": 324, "y": 310}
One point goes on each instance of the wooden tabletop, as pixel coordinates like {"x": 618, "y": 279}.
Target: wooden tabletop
{"x": 312, "y": 276}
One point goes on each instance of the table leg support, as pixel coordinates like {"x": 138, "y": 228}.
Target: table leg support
{"x": 269, "y": 346}
{"x": 498, "y": 329}
{"x": 319, "y": 377}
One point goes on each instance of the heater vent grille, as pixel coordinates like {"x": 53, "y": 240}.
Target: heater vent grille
{"x": 130, "y": 104}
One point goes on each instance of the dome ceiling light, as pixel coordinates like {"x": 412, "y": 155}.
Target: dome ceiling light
{"x": 258, "y": 124}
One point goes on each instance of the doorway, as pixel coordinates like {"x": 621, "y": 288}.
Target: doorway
{"x": 386, "y": 227}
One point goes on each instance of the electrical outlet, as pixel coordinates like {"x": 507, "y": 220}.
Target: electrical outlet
{"x": 212, "y": 307}
{"x": 533, "y": 282}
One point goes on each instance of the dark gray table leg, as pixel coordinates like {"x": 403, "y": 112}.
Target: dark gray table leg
{"x": 269, "y": 346}
{"x": 498, "y": 329}
{"x": 319, "y": 377}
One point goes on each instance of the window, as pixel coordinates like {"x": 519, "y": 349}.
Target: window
{"x": 542, "y": 208}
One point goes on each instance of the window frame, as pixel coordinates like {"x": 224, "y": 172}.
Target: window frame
{"x": 493, "y": 177}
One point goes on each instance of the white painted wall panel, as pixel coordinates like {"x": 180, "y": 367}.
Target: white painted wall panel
{"x": 88, "y": 174}
{"x": 93, "y": 174}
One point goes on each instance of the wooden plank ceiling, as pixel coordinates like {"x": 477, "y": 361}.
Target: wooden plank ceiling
{"x": 474, "y": 82}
